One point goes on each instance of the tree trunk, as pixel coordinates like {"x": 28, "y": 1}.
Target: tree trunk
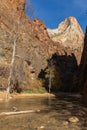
{"x": 11, "y": 69}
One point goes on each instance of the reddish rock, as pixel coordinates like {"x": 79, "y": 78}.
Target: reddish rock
{"x": 40, "y": 30}
{"x": 83, "y": 70}
{"x": 34, "y": 46}
{"x": 30, "y": 47}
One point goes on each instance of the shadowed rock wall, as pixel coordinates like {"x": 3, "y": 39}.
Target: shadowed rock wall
{"x": 83, "y": 70}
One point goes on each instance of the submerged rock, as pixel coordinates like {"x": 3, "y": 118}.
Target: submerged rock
{"x": 73, "y": 119}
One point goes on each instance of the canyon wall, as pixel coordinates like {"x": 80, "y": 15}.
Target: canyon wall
{"x": 35, "y": 47}
{"x": 83, "y": 70}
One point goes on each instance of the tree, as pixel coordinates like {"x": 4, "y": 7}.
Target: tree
{"x": 53, "y": 76}
{"x": 11, "y": 69}
{"x": 15, "y": 35}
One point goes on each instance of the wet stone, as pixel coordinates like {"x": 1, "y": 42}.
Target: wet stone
{"x": 40, "y": 128}
{"x": 48, "y": 118}
{"x": 65, "y": 123}
{"x": 73, "y": 119}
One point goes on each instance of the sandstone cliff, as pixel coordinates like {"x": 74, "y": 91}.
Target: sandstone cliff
{"x": 34, "y": 48}
{"x": 83, "y": 70}
{"x": 68, "y": 33}
{"x": 29, "y": 48}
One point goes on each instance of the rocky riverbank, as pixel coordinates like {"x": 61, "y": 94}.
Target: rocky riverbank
{"x": 23, "y": 95}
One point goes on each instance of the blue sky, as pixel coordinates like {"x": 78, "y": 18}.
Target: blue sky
{"x": 52, "y": 12}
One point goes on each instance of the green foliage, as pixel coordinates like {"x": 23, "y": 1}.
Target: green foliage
{"x": 2, "y": 53}
{"x": 34, "y": 91}
{"x": 49, "y": 70}
{"x": 55, "y": 74}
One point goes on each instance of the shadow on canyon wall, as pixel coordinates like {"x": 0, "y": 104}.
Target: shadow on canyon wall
{"x": 83, "y": 70}
{"x": 62, "y": 71}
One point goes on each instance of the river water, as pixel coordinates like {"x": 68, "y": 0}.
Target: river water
{"x": 54, "y": 113}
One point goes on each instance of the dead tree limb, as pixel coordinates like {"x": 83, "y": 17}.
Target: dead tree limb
{"x": 18, "y": 112}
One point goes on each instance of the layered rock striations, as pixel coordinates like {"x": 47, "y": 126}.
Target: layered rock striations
{"x": 34, "y": 47}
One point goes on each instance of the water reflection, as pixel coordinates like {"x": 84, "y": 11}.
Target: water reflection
{"x": 53, "y": 113}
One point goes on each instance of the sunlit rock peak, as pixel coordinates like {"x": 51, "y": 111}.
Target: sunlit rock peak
{"x": 68, "y": 33}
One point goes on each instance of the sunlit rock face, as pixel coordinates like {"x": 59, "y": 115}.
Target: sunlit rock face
{"x": 68, "y": 33}
{"x": 10, "y": 13}
{"x": 83, "y": 70}
{"x": 31, "y": 46}
{"x": 34, "y": 47}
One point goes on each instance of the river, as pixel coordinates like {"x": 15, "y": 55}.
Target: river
{"x": 54, "y": 113}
